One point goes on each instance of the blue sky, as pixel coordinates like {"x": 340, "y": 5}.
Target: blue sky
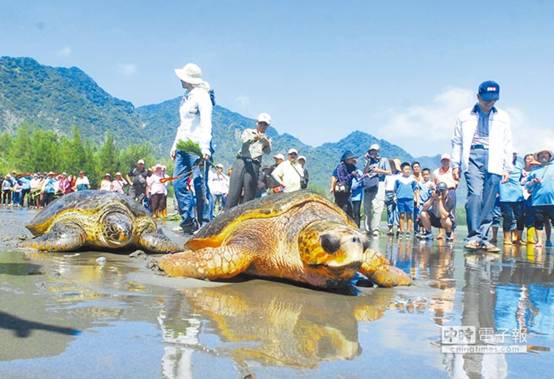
{"x": 400, "y": 70}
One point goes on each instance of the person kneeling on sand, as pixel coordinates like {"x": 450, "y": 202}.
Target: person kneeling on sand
{"x": 436, "y": 212}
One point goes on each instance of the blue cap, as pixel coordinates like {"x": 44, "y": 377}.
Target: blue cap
{"x": 489, "y": 91}
{"x": 347, "y": 155}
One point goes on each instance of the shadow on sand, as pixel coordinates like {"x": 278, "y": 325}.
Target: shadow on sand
{"x": 23, "y": 328}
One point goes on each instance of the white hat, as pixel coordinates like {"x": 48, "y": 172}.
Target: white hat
{"x": 219, "y": 165}
{"x": 108, "y": 174}
{"x": 157, "y": 166}
{"x": 279, "y": 156}
{"x": 293, "y": 151}
{"x": 375, "y": 147}
{"x": 264, "y": 117}
{"x": 446, "y": 156}
{"x": 140, "y": 161}
{"x": 301, "y": 157}
{"x": 190, "y": 73}
{"x": 118, "y": 174}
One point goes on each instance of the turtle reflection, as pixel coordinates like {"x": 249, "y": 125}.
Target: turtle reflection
{"x": 281, "y": 325}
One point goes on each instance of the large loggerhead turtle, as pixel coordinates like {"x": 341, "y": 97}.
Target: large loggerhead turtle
{"x": 299, "y": 236}
{"x": 97, "y": 219}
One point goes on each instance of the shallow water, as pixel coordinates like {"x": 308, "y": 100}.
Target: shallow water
{"x": 64, "y": 315}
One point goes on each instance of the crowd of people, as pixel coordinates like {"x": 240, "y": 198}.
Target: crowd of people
{"x": 520, "y": 192}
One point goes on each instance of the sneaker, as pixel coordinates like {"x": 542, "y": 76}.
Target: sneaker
{"x": 489, "y": 247}
{"x": 472, "y": 245}
{"x": 390, "y": 232}
{"x": 548, "y": 244}
{"x": 449, "y": 238}
{"x": 375, "y": 233}
{"x": 428, "y": 236}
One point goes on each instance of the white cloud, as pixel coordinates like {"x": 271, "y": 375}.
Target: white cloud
{"x": 243, "y": 103}
{"x": 427, "y": 129}
{"x": 64, "y": 52}
{"x": 127, "y": 69}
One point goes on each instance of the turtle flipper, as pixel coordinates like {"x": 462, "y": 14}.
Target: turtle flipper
{"x": 379, "y": 270}
{"x": 63, "y": 236}
{"x": 157, "y": 242}
{"x": 208, "y": 263}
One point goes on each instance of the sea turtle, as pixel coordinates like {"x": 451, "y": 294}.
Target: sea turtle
{"x": 97, "y": 219}
{"x": 298, "y": 236}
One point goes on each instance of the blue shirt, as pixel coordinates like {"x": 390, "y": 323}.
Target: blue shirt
{"x": 50, "y": 185}
{"x": 481, "y": 136}
{"x": 405, "y": 187}
{"x": 25, "y": 183}
{"x": 424, "y": 188}
{"x": 357, "y": 188}
{"x": 512, "y": 190}
{"x": 542, "y": 193}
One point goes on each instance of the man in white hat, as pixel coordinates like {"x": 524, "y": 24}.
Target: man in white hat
{"x": 246, "y": 169}
{"x": 444, "y": 174}
{"x": 373, "y": 181}
{"x": 289, "y": 174}
{"x": 195, "y": 126}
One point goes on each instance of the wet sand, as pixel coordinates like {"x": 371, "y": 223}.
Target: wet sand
{"x": 64, "y": 315}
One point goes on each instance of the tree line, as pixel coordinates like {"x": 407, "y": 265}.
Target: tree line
{"x": 32, "y": 149}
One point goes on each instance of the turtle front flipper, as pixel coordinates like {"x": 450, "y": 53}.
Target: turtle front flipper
{"x": 379, "y": 270}
{"x": 207, "y": 263}
{"x": 63, "y": 236}
{"x": 157, "y": 242}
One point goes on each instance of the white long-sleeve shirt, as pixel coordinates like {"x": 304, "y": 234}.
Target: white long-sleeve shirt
{"x": 500, "y": 140}
{"x": 218, "y": 183}
{"x": 196, "y": 119}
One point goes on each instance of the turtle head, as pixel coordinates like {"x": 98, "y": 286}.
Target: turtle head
{"x": 117, "y": 230}
{"x": 331, "y": 251}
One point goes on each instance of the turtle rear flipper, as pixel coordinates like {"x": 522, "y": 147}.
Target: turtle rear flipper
{"x": 208, "y": 263}
{"x": 63, "y": 236}
{"x": 157, "y": 242}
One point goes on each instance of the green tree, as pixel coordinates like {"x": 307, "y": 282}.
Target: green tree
{"x": 108, "y": 155}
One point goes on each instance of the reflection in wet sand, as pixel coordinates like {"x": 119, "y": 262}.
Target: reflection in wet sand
{"x": 277, "y": 324}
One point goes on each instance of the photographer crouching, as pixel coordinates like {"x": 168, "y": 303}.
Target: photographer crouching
{"x": 437, "y": 212}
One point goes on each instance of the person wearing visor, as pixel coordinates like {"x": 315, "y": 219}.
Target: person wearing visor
{"x": 290, "y": 173}
{"x": 243, "y": 184}
{"x": 482, "y": 150}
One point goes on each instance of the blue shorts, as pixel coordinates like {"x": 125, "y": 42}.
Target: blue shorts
{"x": 405, "y": 206}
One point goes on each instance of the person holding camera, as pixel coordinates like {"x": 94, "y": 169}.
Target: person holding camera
{"x": 375, "y": 170}
{"x": 341, "y": 182}
{"x": 243, "y": 184}
{"x": 437, "y": 212}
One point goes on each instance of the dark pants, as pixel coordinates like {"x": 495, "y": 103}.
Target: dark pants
{"x": 356, "y": 207}
{"x": 243, "y": 185}
{"x": 344, "y": 202}
{"x": 512, "y": 215}
{"x": 6, "y": 197}
{"x": 48, "y": 197}
{"x": 482, "y": 188}
{"x": 158, "y": 202}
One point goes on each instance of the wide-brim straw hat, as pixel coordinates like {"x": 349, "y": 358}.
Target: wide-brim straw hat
{"x": 190, "y": 73}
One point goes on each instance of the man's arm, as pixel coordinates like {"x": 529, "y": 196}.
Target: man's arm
{"x": 457, "y": 146}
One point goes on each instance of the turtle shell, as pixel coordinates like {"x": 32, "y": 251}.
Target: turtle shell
{"x": 270, "y": 206}
{"x": 89, "y": 200}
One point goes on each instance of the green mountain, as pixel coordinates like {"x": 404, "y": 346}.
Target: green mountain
{"x": 58, "y": 98}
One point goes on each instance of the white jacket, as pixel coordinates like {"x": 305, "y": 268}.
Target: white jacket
{"x": 500, "y": 140}
{"x": 196, "y": 119}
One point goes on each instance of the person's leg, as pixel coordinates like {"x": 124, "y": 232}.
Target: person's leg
{"x": 184, "y": 197}
{"x": 425, "y": 221}
{"x": 508, "y": 221}
{"x": 474, "y": 176}
{"x": 402, "y": 222}
{"x": 368, "y": 208}
{"x": 548, "y": 219}
{"x": 389, "y": 203}
{"x": 490, "y": 190}
{"x": 251, "y": 172}
{"x": 356, "y": 205}
{"x": 235, "y": 184}
{"x": 378, "y": 204}
{"x": 496, "y": 220}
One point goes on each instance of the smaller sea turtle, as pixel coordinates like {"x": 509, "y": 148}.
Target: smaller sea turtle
{"x": 300, "y": 236}
{"x": 97, "y": 219}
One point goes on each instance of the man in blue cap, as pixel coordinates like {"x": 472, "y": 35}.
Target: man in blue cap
{"x": 482, "y": 149}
